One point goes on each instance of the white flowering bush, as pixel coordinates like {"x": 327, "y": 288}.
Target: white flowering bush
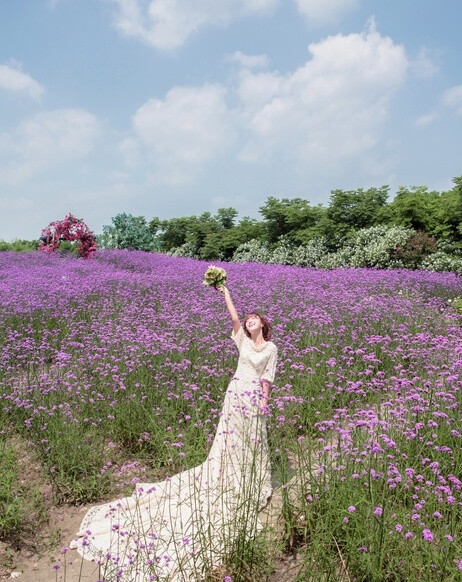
{"x": 440, "y": 261}
{"x": 337, "y": 260}
{"x": 187, "y": 250}
{"x": 254, "y": 251}
{"x": 376, "y": 246}
{"x": 283, "y": 253}
{"x": 312, "y": 254}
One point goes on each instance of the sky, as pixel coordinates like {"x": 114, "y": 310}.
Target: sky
{"x": 178, "y": 107}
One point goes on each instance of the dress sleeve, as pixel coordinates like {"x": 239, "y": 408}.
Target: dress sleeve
{"x": 238, "y": 337}
{"x": 270, "y": 368}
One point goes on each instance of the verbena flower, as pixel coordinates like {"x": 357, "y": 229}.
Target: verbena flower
{"x": 427, "y": 535}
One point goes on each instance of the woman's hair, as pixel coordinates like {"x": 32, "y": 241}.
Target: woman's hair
{"x": 266, "y": 330}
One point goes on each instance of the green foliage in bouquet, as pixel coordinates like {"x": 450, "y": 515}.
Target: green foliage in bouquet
{"x": 214, "y": 277}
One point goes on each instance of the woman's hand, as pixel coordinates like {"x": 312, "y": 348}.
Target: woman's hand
{"x": 265, "y": 386}
{"x": 264, "y": 408}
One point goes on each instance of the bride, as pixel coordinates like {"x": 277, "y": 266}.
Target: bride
{"x": 180, "y": 529}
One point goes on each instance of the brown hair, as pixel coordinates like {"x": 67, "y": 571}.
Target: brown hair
{"x": 266, "y": 329}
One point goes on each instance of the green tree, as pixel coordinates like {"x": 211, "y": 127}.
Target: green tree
{"x": 226, "y": 217}
{"x": 416, "y": 208}
{"x": 292, "y": 218}
{"x": 222, "y": 244}
{"x": 203, "y": 227}
{"x": 128, "y": 232}
{"x": 449, "y": 214}
{"x": 209, "y": 237}
{"x": 174, "y": 231}
{"x": 351, "y": 210}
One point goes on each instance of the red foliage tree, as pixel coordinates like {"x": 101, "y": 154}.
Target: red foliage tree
{"x": 71, "y": 229}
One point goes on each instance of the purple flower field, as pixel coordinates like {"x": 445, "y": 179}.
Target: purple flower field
{"x": 116, "y": 367}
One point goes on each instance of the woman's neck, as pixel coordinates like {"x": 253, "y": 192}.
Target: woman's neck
{"x": 257, "y": 338}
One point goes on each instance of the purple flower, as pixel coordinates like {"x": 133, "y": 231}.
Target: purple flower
{"x": 352, "y": 509}
{"x": 378, "y": 511}
{"x": 427, "y": 535}
{"x": 409, "y": 535}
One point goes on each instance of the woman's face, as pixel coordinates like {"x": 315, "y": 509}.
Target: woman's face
{"x": 253, "y": 323}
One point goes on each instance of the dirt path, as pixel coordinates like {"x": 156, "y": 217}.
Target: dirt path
{"x": 30, "y": 566}
{"x": 38, "y": 555}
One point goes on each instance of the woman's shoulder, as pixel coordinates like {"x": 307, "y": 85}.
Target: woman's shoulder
{"x": 237, "y": 333}
{"x": 269, "y": 347}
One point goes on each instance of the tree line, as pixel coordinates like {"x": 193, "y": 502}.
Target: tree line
{"x": 418, "y": 228}
{"x": 296, "y": 222}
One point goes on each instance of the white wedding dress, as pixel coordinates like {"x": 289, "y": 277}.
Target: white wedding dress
{"x": 179, "y": 529}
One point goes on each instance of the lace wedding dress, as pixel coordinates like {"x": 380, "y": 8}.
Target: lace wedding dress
{"x": 179, "y": 529}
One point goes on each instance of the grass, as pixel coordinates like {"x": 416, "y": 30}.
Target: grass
{"x": 22, "y": 507}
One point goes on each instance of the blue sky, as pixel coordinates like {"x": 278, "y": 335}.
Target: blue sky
{"x": 175, "y": 107}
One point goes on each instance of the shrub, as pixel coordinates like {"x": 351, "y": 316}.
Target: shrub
{"x": 339, "y": 259}
{"x": 369, "y": 247}
{"x": 254, "y": 251}
{"x": 187, "y": 250}
{"x": 311, "y": 254}
{"x": 376, "y": 246}
{"x": 440, "y": 261}
{"x": 283, "y": 253}
{"x": 19, "y": 245}
{"x": 416, "y": 248}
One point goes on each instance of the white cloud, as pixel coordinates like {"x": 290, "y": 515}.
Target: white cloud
{"x": 45, "y": 141}
{"x": 250, "y": 61}
{"x": 183, "y": 131}
{"x": 332, "y": 107}
{"x": 424, "y": 66}
{"x": 425, "y": 120}
{"x": 13, "y": 79}
{"x": 325, "y": 11}
{"x": 167, "y": 24}
{"x": 453, "y": 98}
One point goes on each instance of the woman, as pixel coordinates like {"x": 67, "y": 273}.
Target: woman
{"x": 181, "y": 528}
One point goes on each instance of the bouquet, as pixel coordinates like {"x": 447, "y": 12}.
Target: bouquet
{"x": 215, "y": 277}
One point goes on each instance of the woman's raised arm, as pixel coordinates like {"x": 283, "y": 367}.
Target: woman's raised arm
{"x": 232, "y": 310}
